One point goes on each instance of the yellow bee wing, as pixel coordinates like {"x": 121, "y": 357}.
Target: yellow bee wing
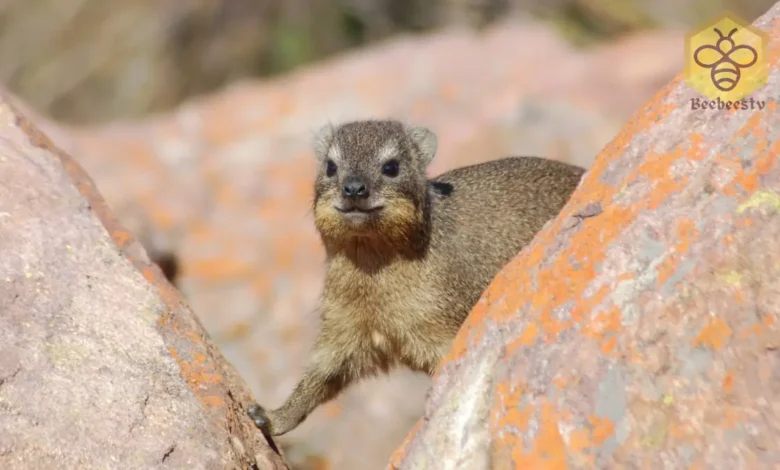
{"x": 707, "y": 56}
{"x": 744, "y": 56}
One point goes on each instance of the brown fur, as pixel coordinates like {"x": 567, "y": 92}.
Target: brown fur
{"x": 400, "y": 283}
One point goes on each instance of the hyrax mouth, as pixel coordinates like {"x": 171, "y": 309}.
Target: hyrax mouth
{"x": 357, "y": 216}
{"x": 359, "y": 210}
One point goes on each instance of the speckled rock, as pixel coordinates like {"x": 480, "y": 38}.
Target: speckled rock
{"x": 102, "y": 364}
{"x": 640, "y": 329}
{"x": 225, "y": 183}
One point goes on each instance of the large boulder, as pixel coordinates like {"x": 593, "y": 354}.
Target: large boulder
{"x": 102, "y": 363}
{"x": 641, "y": 328}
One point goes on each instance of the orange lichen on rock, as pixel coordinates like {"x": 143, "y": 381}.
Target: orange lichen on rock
{"x": 197, "y": 373}
{"x": 714, "y": 334}
{"x": 658, "y": 299}
{"x": 548, "y": 450}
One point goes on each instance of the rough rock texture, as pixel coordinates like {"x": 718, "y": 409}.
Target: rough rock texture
{"x": 102, "y": 364}
{"x": 641, "y": 327}
{"x": 225, "y": 181}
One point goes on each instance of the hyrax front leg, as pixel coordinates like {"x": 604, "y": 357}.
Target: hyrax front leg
{"x": 332, "y": 368}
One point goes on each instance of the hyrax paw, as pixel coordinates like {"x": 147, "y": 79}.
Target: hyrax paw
{"x": 257, "y": 413}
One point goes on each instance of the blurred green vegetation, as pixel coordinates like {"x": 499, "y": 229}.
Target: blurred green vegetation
{"x": 94, "y": 60}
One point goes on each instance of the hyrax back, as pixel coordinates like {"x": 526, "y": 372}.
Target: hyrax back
{"x": 408, "y": 257}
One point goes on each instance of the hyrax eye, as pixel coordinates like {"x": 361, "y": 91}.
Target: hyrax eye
{"x": 330, "y": 168}
{"x": 390, "y": 168}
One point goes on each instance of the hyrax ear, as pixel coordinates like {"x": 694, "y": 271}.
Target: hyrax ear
{"x": 425, "y": 140}
{"x": 322, "y": 141}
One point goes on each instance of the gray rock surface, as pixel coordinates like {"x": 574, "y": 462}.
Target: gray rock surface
{"x": 102, "y": 365}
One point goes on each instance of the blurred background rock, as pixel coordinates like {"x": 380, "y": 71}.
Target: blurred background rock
{"x": 195, "y": 117}
{"x": 90, "y": 60}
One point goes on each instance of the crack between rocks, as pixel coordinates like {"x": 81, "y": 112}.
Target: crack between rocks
{"x": 140, "y": 420}
{"x": 11, "y": 376}
{"x": 168, "y": 453}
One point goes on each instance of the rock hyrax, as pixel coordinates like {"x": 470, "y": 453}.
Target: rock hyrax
{"x": 407, "y": 256}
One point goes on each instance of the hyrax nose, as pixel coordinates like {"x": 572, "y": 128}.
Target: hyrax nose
{"x": 354, "y": 188}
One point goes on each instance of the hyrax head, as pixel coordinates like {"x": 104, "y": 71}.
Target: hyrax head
{"x": 371, "y": 179}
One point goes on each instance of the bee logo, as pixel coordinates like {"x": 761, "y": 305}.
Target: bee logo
{"x": 725, "y": 59}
